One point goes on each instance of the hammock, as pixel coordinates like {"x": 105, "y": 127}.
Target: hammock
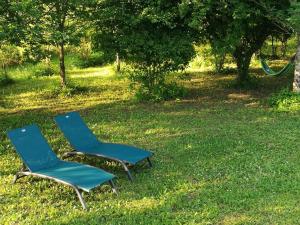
{"x": 285, "y": 70}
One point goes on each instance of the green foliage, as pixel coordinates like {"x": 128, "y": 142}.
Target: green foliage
{"x": 10, "y": 55}
{"x": 220, "y": 157}
{"x": 34, "y": 53}
{"x": 70, "y": 91}
{"x": 285, "y": 100}
{"x": 291, "y": 46}
{"x": 44, "y": 22}
{"x": 235, "y": 27}
{"x": 219, "y": 52}
{"x": 43, "y": 70}
{"x": 14, "y": 23}
{"x": 5, "y": 80}
{"x": 85, "y": 49}
{"x": 203, "y": 57}
{"x": 164, "y": 91}
{"x": 207, "y": 56}
{"x": 94, "y": 59}
{"x": 151, "y": 36}
{"x": 55, "y": 22}
{"x": 294, "y": 19}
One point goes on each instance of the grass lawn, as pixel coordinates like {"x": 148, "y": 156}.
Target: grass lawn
{"x": 221, "y": 155}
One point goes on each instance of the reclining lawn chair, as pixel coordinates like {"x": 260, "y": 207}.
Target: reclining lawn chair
{"x": 85, "y": 142}
{"x": 39, "y": 160}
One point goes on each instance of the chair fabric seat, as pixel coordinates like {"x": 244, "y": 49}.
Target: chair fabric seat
{"x": 41, "y": 160}
{"x": 82, "y": 176}
{"x": 84, "y": 140}
{"x": 126, "y": 153}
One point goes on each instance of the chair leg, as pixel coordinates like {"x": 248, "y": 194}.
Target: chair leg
{"x": 18, "y": 176}
{"x": 113, "y": 187}
{"x": 149, "y": 161}
{"x": 78, "y": 192}
{"x": 127, "y": 171}
{"x": 67, "y": 155}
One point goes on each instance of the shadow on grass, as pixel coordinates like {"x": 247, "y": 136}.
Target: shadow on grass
{"x": 216, "y": 87}
{"x": 215, "y": 161}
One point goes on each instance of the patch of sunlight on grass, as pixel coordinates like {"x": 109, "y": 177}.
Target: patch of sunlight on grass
{"x": 239, "y": 96}
{"x": 278, "y": 209}
{"x": 253, "y": 104}
{"x": 236, "y": 219}
{"x": 106, "y": 71}
{"x": 141, "y": 205}
{"x": 215, "y": 161}
{"x": 263, "y": 119}
{"x": 201, "y": 69}
{"x": 159, "y": 131}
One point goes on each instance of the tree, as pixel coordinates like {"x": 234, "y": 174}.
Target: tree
{"x": 9, "y": 21}
{"x": 240, "y": 26}
{"x": 62, "y": 22}
{"x": 46, "y": 22}
{"x": 295, "y": 22}
{"x": 296, "y": 83}
{"x": 11, "y": 34}
{"x": 151, "y": 36}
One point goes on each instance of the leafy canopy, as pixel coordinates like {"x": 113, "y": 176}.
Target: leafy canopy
{"x": 152, "y": 36}
{"x": 235, "y": 27}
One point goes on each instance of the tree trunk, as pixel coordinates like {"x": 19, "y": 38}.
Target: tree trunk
{"x": 273, "y": 47}
{"x": 118, "y": 62}
{"x": 5, "y": 71}
{"x": 62, "y": 64}
{"x": 219, "y": 62}
{"x": 243, "y": 60}
{"x": 283, "y": 46}
{"x": 296, "y": 84}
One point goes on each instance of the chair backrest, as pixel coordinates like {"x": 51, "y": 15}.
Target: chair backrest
{"x": 33, "y": 148}
{"x": 76, "y": 131}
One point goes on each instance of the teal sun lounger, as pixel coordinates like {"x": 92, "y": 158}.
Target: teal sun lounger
{"x": 39, "y": 160}
{"x": 84, "y": 141}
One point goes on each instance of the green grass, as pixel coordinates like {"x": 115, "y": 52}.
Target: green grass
{"x": 222, "y": 156}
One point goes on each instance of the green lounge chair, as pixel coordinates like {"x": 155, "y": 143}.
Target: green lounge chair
{"x": 39, "y": 160}
{"x": 84, "y": 141}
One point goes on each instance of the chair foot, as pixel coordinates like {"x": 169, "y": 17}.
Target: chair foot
{"x": 18, "y": 176}
{"x": 127, "y": 171}
{"x": 66, "y": 155}
{"x": 149, "y": 161}
{"x": 78, "y": 192}
{"x": 114, "y": 189}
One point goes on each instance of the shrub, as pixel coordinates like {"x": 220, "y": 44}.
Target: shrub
{"x": 151, "y": 66}
{"x": 85, "y": 48}
{"x": 10, "y": 55}
{"x": 43, "y": 71}
{"x": 203, "y": 57}
{"x": 285, "y": 100}
{"x": 34, "y": 53}
{"x": 154, "y": 44}
{"x": 95, "y": 59}
{"x": 208, "y": 56}
{"x": 164, "y": 91}
{"x": 70, "y": 90}
{"x": 73, "y": 90}
{"x": 5, "y": 80}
